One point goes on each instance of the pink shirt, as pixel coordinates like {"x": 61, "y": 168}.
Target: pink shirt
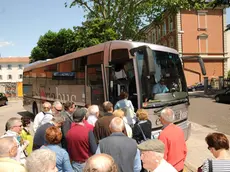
{"x": 175, "y": 146}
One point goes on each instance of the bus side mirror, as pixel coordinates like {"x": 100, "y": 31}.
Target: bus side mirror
{"x": 200, "y": 60}
{"x": 148, "y": 55}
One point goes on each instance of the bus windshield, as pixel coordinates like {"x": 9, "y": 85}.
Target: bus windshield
{"x": 166, "y": 83}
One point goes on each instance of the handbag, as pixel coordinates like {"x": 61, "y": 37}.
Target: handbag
{"x": 209, "y": 167}
{"x": 144, "y": 137}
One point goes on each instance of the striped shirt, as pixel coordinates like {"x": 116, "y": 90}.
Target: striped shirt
{"x": 220, "y": 165}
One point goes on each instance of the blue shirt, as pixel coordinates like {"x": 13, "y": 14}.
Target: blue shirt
{"x": 158, "y": 88}
{"x": 62, "y": 158}
{"x": 124, "y": 103}
{"x": 137, "y": 161}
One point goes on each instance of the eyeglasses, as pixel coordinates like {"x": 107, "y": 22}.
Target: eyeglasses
{"x": 59, "y": 110}
{"x": 46, "y": 107}
{"x": 18, "y": 126}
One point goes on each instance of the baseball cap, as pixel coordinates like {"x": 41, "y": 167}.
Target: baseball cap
{"x": 79, "y": 114}
{"x": 152, "y": 145}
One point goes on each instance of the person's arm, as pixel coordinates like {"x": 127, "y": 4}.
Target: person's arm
{"x": 131, "y": 105}
{"x": 96, "y": 131}
{"x": 36, "y": 122}
{"x": 137, "y": 162}
{"x": 66, "y": 163}
{"x": 116, "y": 106}
{"x": 92, "y": 143}
{"x": 164, "y": 140}
{"x": 136, "y": 132}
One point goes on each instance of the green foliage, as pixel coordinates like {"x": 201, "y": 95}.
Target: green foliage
{"x": 126, "y": 17}
{"x": 229, "y": 74}
{"x": 53, "y": 44}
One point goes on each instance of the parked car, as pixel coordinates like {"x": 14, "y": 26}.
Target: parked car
{"x": 197, "y": 87}
{"x": 3, "y": 99}
{"x": 223, "y": 97}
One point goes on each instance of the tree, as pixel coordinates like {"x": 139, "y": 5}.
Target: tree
{"x": 53, "y": 44}
{"x": 93, "y": 32}
{"x": 128, "y": 16}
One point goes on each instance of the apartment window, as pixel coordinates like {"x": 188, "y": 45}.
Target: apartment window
{"x": 170, "y": 23}
{"x": 159, "y": 33}
{"x": 19, "y": 66}
{"x": 171, "y": 43}
{"x": 202, "y": 20}
{"x": 0, "y": 77}
{"x": 164, "y": 29}
{"x": 9, "y": 67}
{"x": 9, "y": 76}
{"x": 203, "y": 43}
{"x": 20, "y": 76}
{"x": 154, "y": 36}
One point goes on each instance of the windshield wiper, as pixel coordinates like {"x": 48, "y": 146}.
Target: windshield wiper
{"x": 171, "y": 103}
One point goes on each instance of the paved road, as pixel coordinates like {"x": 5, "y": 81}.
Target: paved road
{"x": 208, "y": 113}
{"x": 13, "y": 109}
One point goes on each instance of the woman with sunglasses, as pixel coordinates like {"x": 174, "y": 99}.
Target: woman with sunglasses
{"x": 218, "y": 145}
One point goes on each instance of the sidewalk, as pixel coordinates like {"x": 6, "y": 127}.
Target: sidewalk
{"x": 197, "y": 147}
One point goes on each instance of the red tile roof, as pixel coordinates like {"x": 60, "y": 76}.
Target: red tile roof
{"x": 14, "y": 59}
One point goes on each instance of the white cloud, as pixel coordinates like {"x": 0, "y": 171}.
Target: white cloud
{"x": 6, "y": 43}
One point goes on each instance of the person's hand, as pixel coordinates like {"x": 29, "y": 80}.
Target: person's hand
{"x": 26, "y": 143}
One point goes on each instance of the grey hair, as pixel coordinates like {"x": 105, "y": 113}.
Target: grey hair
{"x": 168, "y": 115}
{"x": 56, "y": 103}
{"x": 11, "y": 122}
{"x": 158, "y": 154}
{"x": 39, "y": 160}
{"x": 58, "y": 119}
{"x": 117, "y": 124}
{"x": 93, "y": 109}
{"x": 6, "y": 144}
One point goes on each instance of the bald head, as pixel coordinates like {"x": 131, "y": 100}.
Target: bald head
{"x": 6, "y": 146}
{"x": 167, "y": 115}
{"x": 100, "y": 163}
{"x": 117, "y": 125}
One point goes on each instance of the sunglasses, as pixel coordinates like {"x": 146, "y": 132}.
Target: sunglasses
{"x": 59, "y": 110}
{"x": 18, "y": 126}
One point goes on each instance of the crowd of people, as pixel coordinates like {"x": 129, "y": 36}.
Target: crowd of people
{"x": 68, "y": 138}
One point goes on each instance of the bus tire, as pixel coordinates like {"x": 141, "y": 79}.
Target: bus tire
{"x": 35, "y": 109}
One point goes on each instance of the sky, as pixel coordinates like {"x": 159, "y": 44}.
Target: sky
{"x": 22, "y": 22}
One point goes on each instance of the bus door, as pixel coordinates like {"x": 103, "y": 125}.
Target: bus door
{"x": 122, "y": 79}
{"x": 95, "y": 90}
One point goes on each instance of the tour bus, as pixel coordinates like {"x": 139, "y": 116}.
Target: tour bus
{"x": 101, "y": 72}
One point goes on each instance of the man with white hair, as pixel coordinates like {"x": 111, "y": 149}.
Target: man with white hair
{"x": 152, "y": 153}
{"x": 173, "y": 138}
{"x": 41, "y": 160}
{"x": 40, "y": 117}
{"x": 122, "y": 148}
{"x": 93, "y": 113}
{"x": 8, "y": 151}
{"x": 39, "y": 136}
{"x": 13, "y": 128}
{"x": 57, "y": 108}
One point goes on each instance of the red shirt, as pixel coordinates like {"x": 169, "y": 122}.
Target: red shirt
{"x": 78, "y": 143}
{"x": 175, "y": 146}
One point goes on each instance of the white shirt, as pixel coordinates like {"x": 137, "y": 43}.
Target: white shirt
{"x": 41, "y": 119}
{"x": 165, "y": 167}
{"x": 92, "y": 120}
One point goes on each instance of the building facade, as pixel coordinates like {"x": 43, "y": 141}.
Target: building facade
{"x": 11, "y": 75}
{"x": 193, "y": 33}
